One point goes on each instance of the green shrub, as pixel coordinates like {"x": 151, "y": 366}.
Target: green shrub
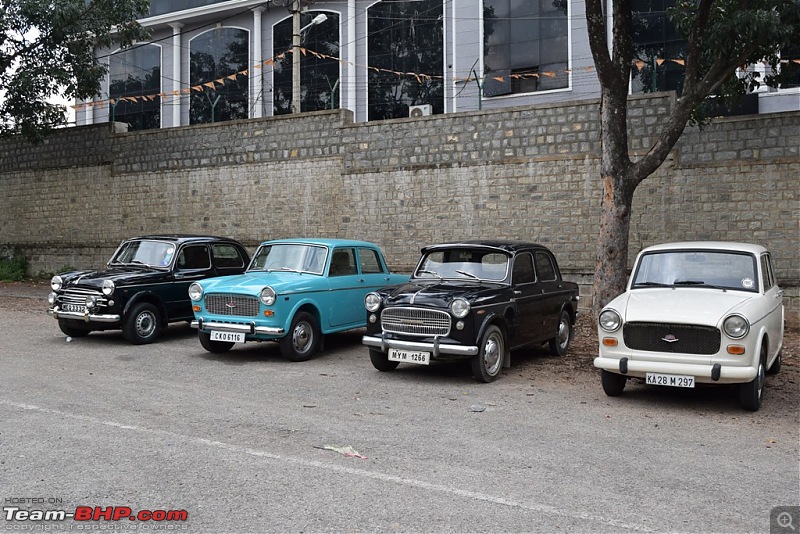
{"x": 13, "y": 269}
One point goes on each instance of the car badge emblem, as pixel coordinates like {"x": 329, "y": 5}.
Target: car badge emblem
{"x": 230, "y": 304}
{"x": 669, "y": 338}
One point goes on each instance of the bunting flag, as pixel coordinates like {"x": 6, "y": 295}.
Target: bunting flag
{"x": 419, "y": 77}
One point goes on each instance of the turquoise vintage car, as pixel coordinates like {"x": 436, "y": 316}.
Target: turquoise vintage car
{"x": 293, "y": 292}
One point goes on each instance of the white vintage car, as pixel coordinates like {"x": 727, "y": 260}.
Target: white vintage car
{"x": 697, "y": 312}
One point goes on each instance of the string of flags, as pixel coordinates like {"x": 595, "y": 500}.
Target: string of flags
{"x": 213, "y": 84}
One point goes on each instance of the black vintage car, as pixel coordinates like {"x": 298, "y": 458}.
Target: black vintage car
{"x": 145, "y": 286}
{"x": 476, "y": 300}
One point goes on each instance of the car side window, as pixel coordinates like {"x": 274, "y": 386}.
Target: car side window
{"x": 226, "y": 256}
{"x": 370, "y": 263}
{"x": 343, "y": 262}
{"x": 766, "y": 272}
{"x": 523, "y": 269}
{"x": 544, "y": 267}
{"x": 194, "y": 257}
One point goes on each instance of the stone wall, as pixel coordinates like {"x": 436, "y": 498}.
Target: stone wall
{"x": 522, "y": 173}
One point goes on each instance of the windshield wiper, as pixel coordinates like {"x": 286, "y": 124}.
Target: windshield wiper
{"x": 434, "y": 273}
{"x": 650, "y": 284}
{"x": 283, "y": 269}
{"x": 689, "y": 283}
{"x": 465, "y": 273}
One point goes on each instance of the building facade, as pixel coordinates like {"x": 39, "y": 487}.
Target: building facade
{"x": 211, "y": 61}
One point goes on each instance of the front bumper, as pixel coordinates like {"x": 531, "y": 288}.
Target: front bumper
{"x": 703, "y": 373}
{"x": 434, "y": 348}
{"x": 250, "y": 328}
{"x": 85, "y": 316}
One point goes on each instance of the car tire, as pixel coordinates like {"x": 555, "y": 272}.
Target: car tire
{"x": 73, "y": 328}
{"x": 776, "y": 365}
{"x": 486, "y": 365}
{"x": 142, "y": 324}
{"x": 560, "y": 343}
{"x": 380, "y": 361}
{"x": 216, "y": 347}
{"x": 613, "y": 383}
{"x": 750, "y": 394}
{"x": 302, "y": 340}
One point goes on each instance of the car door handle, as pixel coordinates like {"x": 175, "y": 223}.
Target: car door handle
{"x": 517, "y": 292}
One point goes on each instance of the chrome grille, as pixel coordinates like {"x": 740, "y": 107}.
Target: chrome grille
{"x": 672, "y": 338}
{"x": 77, "y": 296}
{"x": 227, "y": 304}
{"x": 415, "y": 321}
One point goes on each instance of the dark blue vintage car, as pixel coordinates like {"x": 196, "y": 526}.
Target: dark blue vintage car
{"x": 145, "y": 286}
{"x": 474, "y": 300}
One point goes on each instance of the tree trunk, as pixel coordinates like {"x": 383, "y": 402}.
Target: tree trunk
{"x": 611, "y": 266}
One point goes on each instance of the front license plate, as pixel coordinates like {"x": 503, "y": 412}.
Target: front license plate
{"x": 230, "y": 337}
{"x": 675, "y": 381}
{"x": 409, "y": 356}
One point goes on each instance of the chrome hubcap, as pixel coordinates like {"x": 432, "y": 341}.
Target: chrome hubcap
{"x": 563, "y": 333}
{"x": 492, "y": 355}
{"x": 302, "y": 337}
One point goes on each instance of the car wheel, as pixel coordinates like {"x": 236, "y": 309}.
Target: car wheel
{"x": 613, "y": 383}
{"x": 487, "y": 363}
{"x": 73, "y": 328}
{"x": 560, "y": 343}
{"x": 213, "y": 346}
{"x": 776, "y": 365}
{"x": 380, "y": 361}
{"x": 750, "y": 393}
{"x": 142, "y": 324}
{"x": 302, "y": 340}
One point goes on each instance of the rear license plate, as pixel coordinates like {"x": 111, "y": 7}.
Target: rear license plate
{"x": 675, "y": 381}
{"x": 409, "y": 356}
{"x": 230, "y": 337}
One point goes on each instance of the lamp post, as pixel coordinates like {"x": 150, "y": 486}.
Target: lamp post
{"x": 297, "y": 31}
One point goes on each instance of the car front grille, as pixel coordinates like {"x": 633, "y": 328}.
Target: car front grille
{"x": 415, "y": 322}
{"x": 74, "y": 298}
{"x": 673, "y": 338}
{"x": 238, "y": 305}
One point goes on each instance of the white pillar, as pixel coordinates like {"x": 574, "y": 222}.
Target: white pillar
{"x": 89, "y": 117}
{"x": 347, "y": 88}
{"x": 175, "y": 99}
{"x": 257, "y": 68}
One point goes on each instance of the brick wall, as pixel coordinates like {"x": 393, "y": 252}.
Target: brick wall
{"x": 521, "y": 173}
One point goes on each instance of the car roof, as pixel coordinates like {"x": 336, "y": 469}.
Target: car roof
{"x": 708, "y": 245}
{"x": 182, "y": 238}
{"x": 505, "y": 245}
{"x": 323, "y": 241}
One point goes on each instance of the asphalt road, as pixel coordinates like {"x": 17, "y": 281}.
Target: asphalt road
{"x": 239, "y": 442}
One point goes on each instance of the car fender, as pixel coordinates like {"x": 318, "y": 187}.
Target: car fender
{"x": 306, "y": 304}
{"x": 490, "y": 319}
{"x": 146, "y": 296}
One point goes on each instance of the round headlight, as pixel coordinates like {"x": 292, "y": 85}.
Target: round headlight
{"x": 459, "y": 308}
{"x": 108, "y": 287}
{"x": 91, "y": 301}
{"x": 51, "y": 299}
{"x": 736, "y": 326}
{"x": 372, "y": 302}
{"x": 195, "y": 291}
{"x": 267, "y": 296}
{"x": 56, "y": 283}
{"x": 609, "y": 320}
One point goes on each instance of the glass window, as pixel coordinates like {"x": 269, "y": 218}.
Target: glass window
{"x": 544, "y": 267}
{"x": 697, "y": 268}
{"x": 525, "y": 46}
{"x": 194, "y": 257}
{"x": 343, "y": 262}
{"x": 145, "y": 252}
{"x": 218, "y": 59}
{"x": 523, "y": 269}
{"x": 226, "y": 256}
{"x": 370, "y": 263}
{"x": 159, "y": 7}
{"x": 290, "y": 257}
{"x": 464, "y": 263}
{"x": 405, "y": 36}
{"x": 658, "y": 48}
{"x": 134, "y": 86}
{"x": 766, "y": 272}
{"x": 319, "y": 76}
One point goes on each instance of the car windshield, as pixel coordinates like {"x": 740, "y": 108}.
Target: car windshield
{"x": 145, "y": 252}
{"x": 464, "y": 263}
{"x": 694, "y": 268}
{"x": 290, "y": 257}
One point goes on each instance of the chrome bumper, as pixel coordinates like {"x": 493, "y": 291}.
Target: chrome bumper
{"x": 251, "y": 328}
{"x": 434, "y": 348}
{"x": 702, "y": 372}
{"x": 84, "y": 316}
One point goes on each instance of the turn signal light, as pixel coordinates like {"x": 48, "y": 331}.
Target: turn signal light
{"x": 610, "y": 341}
{"x": 269, "y": 313}
{"x": 736, "y": 349}
{"x": 196, "y": 307}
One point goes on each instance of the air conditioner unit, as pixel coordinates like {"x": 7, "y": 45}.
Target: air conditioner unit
{"x": 420, "y": 111}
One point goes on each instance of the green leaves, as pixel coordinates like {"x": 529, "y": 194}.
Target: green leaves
{"x": 48, "y": 49}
